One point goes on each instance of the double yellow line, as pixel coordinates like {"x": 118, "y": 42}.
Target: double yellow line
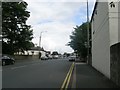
{"x": 68, "y": 77}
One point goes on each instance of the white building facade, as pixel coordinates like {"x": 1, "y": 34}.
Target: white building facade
{"x": 105, "y": 24}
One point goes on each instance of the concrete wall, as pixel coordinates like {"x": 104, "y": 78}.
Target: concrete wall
{"x": 115, "y": 53}
{"x": 26, "y": 57}
{"x": 100, "y": 39}
{"x": 113, "y": 23}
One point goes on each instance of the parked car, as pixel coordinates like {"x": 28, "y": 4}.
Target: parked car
{"x": 7, "y": 60}
{"x": 72, "y": 58}
{"x": 55, "y": 56}
{"x": 49, "y": 56}
{"x": 44, "y": 58}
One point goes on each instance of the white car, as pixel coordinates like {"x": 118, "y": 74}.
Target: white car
{"x": 72, "y": 58}
{"x": 55, "y": 56}
{"x": 44, "y": 58}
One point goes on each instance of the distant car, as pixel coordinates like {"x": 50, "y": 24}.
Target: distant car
{"x": 72, "y": 58}
{"x": 55, "y": 56}
{"x": 7, "y": 60}
{"x": 49, "y": 56}
{"x": 44, "y": 58}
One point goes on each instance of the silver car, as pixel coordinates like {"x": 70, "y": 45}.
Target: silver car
{"x": 72, "y": 58}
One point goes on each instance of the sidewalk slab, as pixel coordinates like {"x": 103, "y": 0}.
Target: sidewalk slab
{"x": 88, "y": 77}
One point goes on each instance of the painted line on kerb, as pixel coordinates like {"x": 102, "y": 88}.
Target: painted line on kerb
{"x": 68, "y": 77}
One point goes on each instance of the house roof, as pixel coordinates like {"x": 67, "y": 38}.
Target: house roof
{"x": 37, "y": 48}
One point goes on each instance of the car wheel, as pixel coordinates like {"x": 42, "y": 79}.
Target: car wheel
{"x": 3, "y": 63}
{"x": 13, "y": 62}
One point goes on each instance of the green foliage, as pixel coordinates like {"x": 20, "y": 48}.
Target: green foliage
{"x": 66, "y": 54}
{"x": 16, "y": 34}
{"x": 79, "y": 40}
{"x": 55, "y": 53}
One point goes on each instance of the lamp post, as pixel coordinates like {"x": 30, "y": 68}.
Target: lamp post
{"x": 40, "y": 44}
{"x": 40, "y": 38}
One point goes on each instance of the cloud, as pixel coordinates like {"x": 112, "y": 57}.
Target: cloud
{"x": 44, "y": 11}
{"x": 58, "y": 19}
{"x": 57, "y": 35}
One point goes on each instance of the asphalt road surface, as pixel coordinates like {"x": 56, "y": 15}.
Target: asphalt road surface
{"x": 36, "y": 74}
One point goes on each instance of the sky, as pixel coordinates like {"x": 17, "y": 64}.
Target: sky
{"x": 55, "y": 20}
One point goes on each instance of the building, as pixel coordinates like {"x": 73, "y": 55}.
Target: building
{"x": 33, "y": 53}
{"x": 105, "y": 24}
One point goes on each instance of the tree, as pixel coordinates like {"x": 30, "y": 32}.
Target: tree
{"x": 79, "y": 40}
{"x": 16, "y": 35}
{"x": 55, "y": 53}
{"x": 66, "y": 54}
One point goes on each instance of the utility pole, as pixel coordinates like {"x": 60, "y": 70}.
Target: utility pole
{"x": 87, "y": 32}
{"x": 40, "y": 38}
{"x": 40, "y": 44}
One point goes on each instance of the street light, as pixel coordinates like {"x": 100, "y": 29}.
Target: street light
{"x": 40, "y": 38}
{"x": 40, "y": 43}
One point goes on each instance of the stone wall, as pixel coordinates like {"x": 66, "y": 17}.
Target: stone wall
{"x": 115, "y": 63}
{"x": 26, "y": 57}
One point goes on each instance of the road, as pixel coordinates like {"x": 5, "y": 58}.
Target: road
{"x": 36, "y": 74}
{"x": 56, "y": 73}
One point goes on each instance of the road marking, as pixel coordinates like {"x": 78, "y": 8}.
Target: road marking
{"x": 68, "y": 77}
{"x": 19, "y": 67}
{"x": 74, "y": 78}
{"x": 63, "y": 85}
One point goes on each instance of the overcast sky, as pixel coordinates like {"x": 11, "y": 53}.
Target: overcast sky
{"x": 56, "y": 20}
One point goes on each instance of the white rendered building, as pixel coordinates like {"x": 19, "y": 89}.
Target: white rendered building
{"x": 105, "y": 24}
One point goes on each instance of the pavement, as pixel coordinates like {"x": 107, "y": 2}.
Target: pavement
{"x": 85, "y": 76}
